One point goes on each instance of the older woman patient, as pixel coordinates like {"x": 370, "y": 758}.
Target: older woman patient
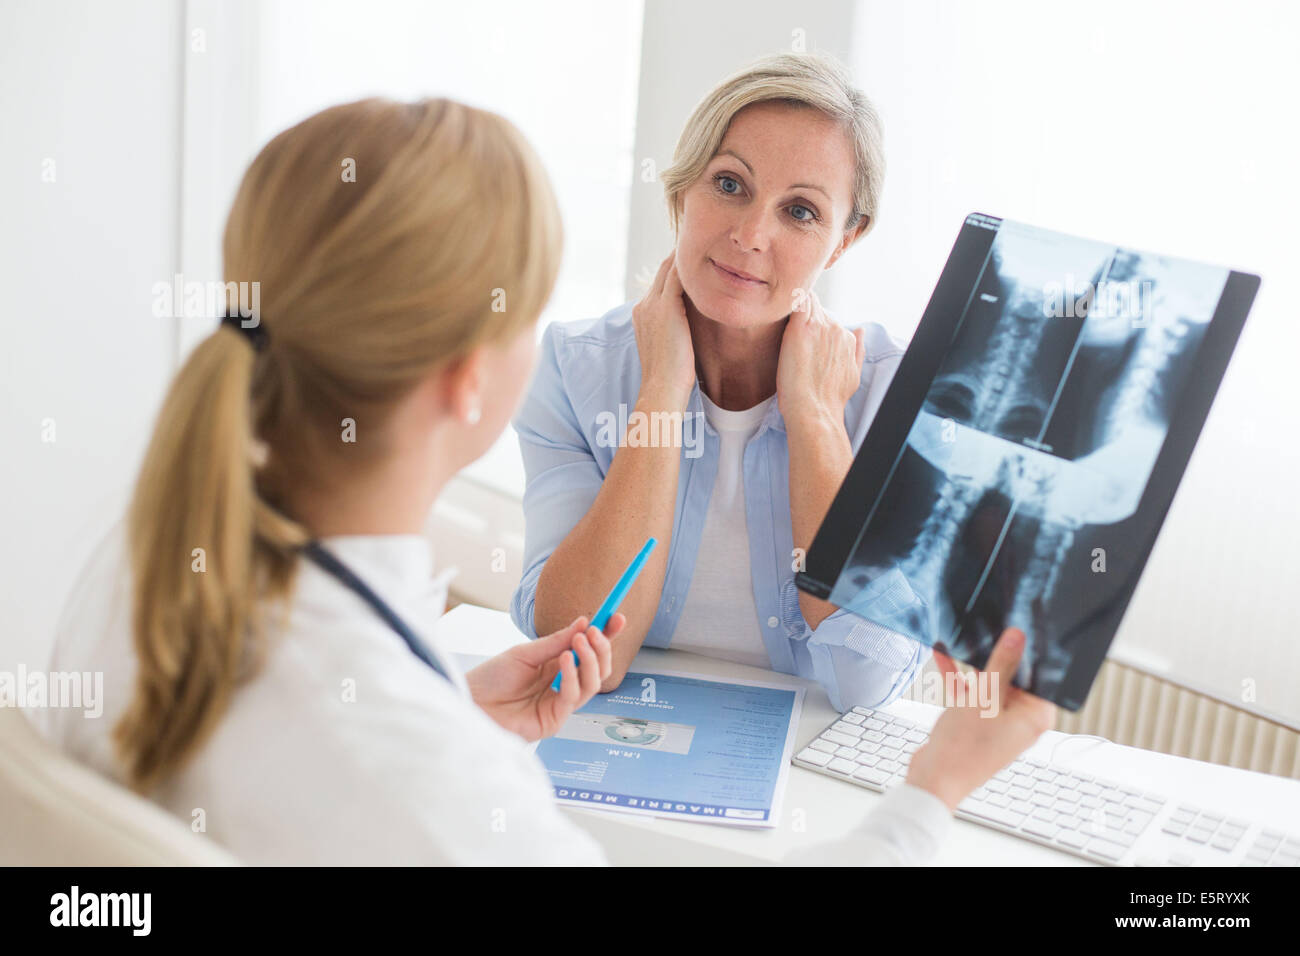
{"x": 776, "y": 174}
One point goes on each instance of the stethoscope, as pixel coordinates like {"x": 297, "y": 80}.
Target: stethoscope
{"x": 333, "y": 566}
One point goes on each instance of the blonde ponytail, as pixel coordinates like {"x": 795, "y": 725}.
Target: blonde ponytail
{"x": 367, "y": 285}
{"x": 202, "y": 546}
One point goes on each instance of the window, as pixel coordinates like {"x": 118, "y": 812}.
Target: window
{"x": 565, "y": 74}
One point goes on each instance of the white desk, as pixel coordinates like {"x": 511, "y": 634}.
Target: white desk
{"x": 818, "y": 808}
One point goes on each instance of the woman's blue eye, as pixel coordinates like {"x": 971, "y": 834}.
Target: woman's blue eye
{"x": 731, "y": 186}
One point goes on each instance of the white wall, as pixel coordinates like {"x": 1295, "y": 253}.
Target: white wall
{"x": 95, "y": 88}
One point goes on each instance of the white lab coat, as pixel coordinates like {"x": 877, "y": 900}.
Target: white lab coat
{"x": 346, "y": 749}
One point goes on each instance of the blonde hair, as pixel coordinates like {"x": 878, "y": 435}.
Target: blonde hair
{"x": 810, "y": 80}
{"x": 368, "y": 283}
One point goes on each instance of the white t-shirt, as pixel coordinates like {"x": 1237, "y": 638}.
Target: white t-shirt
{"x": 719, "y": 618}
{"x": 345, "y": 748}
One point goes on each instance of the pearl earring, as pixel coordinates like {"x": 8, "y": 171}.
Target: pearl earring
{"x": 475, "y": 413}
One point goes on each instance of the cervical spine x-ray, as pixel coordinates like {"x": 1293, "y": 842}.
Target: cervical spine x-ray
{"x": 1035, "y": 442}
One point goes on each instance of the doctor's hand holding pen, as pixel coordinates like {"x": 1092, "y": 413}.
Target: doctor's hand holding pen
{"x": 966, "y": 745}
{"x": 514, "y": 688}
{"x": 533, "y": 688}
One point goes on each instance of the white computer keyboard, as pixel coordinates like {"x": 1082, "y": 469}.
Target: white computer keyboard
{"x": 1091, "y": 817}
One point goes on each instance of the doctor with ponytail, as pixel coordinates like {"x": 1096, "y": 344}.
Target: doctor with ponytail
{"x": 285, "y": 685}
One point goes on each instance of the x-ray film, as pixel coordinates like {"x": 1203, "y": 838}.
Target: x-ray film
{"x": 1029, "y": 447}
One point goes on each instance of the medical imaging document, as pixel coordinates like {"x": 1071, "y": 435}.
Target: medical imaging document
{"x": 1026, "y": 454}
{"x": 679, "y": 745}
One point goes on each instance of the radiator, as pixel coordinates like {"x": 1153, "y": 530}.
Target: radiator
{"x": 1137, "y": 709}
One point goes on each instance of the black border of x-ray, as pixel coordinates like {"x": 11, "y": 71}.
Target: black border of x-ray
{"x": 874, "y": 461}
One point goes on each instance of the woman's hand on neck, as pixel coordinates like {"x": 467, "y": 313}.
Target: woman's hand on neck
{"x": 736, "y": 366}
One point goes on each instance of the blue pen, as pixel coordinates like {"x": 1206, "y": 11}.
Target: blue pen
{"x": 614, "y": 598}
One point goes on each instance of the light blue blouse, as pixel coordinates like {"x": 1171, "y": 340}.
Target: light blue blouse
{"x": 568, "y": 430}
